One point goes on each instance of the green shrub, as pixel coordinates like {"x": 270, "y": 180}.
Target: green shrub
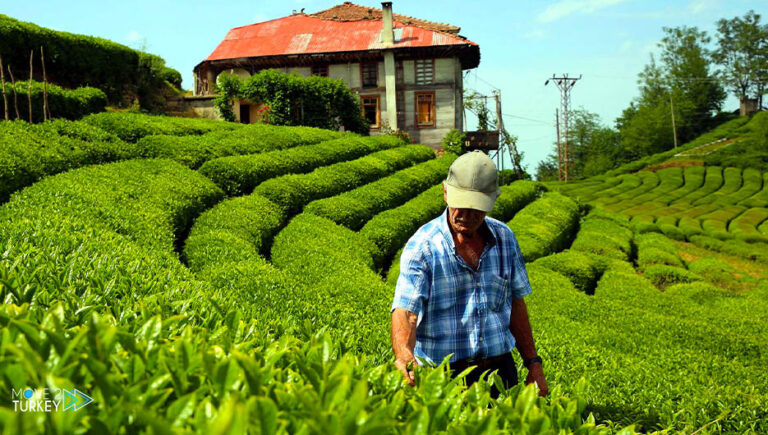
{"x": 715, "y": 271}
{"x": 292, "y": 192}
{"x": 354, "y": 208}
{"x": 390, "y": 229}
{"x": 580, "y": 268}
{"x": 131, "y": 127}
{"x": 514, "y": 197}
{"x": 193, "y": 151}
{"x": 238, "y": 175}
{"x": 700, "y": 292}
{"x": 114, "y": 234}
{"x": 759, "y": 199}
{"x": 662, "y": 275}
{"x": 606, "y": 234}
{"x": 295, "y": 100}
{"x": 750, "y": 251}
{"x": 62, "y": 103}
{"x": 337, "y": 263}
{"x": 546, "y": 225}
{"x": 453, "y": 142}
{"x": 29, "y": 152}
{"x": 238, "y": 229}
{"x": 74, "y": 60}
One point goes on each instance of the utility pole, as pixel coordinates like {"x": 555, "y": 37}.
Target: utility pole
{"x": 672, "y": 110}
{"x": 504, "y": 140}
{"x": 559, "y": 148}
{"x": 565, "y": 84}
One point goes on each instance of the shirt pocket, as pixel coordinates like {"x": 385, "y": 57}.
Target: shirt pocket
{"x": 497, "y": 291}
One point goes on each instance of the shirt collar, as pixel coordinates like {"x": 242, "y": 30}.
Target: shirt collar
{"x": 445, "y": 229}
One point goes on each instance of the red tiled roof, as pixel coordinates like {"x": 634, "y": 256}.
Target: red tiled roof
{"x": 352, "y": 12}
{"x": 305, "y": 34}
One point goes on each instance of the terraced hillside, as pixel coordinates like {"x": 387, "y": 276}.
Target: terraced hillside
{"x": 209, "y": 277}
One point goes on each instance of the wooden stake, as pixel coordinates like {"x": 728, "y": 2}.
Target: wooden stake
{"x": 29, "y": 85}
{"x": 46, "y": 112}
{"x": 15, "y": 94}
{"x": 2, "y": 80}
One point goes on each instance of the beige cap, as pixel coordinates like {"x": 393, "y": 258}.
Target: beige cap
{"x": 472, "y": 182}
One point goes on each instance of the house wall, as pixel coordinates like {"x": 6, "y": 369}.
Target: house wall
{"x": 447, "y": 86}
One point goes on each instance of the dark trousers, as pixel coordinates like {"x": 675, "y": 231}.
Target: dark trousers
{"x": 504, "y": 364}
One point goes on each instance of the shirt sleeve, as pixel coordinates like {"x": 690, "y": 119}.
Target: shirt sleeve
{"x": 520, "y": 285}
{"x": 412, "y": 289}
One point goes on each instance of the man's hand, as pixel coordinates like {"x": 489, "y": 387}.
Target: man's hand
{"x": 536, "y": 374}
{"x": 403, "y": 342}
{"x": 406, "y": 367}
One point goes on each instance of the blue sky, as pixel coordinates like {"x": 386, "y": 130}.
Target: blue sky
{"x": 521, "y": 43}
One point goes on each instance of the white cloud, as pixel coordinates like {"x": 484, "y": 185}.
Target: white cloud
{"x": 534, "y": 34}
{"x": 565, "y": 8}
{"x": 626, "y": 46}
{"x": 698, "y": 6}
{"x": 133, "y": 36}
{"x": 260, "y": 18}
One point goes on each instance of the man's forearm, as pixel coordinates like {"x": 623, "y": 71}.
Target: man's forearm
{"x": 520, "y": 327}
{"x": 403, "y": 334}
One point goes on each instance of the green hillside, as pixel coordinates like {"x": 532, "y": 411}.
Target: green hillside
{"x": 197, "y": 276}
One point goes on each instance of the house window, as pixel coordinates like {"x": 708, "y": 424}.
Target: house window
{"x": 425, "y": 71}
{"x": 369, "y": 72}
{"x": 425, "y": 109}
{"x": 320, "y": 70}
{"x": 371, "y": 110}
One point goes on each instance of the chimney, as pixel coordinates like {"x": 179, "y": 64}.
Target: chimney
{"x": 387, "y": 34}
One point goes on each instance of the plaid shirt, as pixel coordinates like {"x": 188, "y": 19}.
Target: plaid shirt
{"x": 461, "y": 312}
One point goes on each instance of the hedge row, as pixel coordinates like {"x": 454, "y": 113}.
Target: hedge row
{"x": 760, "y": 199}
{"x": 294, "y": 191}
{"x": 545, "y": 226}
{"x": 606, "y": 234}
{"x": 654, "y": 248}
{"x": 687, "y": 332}
{"x": 100, "y": 238}
{"x": 604, "y": 242}
{"x": 131, "y": 127}
{"x": 29, "y": 152}
{"x": 77, "y": 60}
{"x": 582, "y": 269}
{"x": 337, "y": 265}
{"x": 729, "y": 129}
{"x": 751, "y": 151}
{"x": 751, "y": 251}
{"x": 389, "y": 230}
{"x": 514, "y": 197}
{"x": 238, "y": 175}
{"x": 193, "y": 151}
{"x": 62, "y": 103}
{"x": 354, "y": 208}
{"x": 238, "y": 229}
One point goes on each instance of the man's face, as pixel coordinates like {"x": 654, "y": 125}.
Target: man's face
{"x": 465, "y": 221}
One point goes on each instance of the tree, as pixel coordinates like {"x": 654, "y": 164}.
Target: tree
{"x": 742, "y": 53}
{"x": 681, "y": 83}
{"x": 696, "y": 90}
{"x": 546, "y": 170}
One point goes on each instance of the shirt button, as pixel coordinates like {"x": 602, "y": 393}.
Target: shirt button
{"x": 481, "y": 339}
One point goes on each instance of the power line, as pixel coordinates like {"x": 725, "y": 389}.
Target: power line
{"x": 564, "y": 157}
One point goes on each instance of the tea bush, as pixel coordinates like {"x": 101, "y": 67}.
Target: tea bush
{"x": 238, "y": 175}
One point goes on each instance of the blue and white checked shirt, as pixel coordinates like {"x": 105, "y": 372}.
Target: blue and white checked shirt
{"x": 461, "y": 312}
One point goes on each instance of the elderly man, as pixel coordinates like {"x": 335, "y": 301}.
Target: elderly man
{"x": 461, "y": 286}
